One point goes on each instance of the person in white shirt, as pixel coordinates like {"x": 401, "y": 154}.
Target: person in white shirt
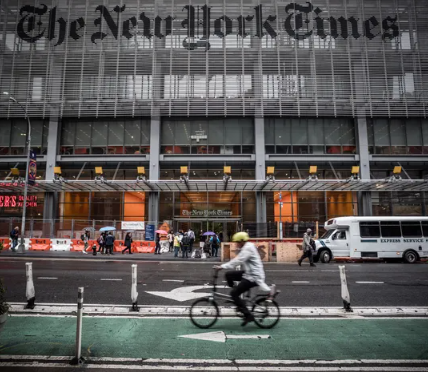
{"x": 253, "y": 274}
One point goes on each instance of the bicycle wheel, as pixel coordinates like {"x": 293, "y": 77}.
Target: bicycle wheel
{"x": 204, "y": 312}
{"x": 266, "y": 314}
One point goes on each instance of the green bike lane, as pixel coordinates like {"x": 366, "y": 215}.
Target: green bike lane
{"x": 292, "y": 339}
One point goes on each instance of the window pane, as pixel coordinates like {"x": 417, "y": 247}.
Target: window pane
{"x": 369, "y": 230}
{"x": 316, "y": 131}
{"x": 215, "y": 132}
{"x": 247, "y": 128}
{"x": 332, "y": 131}
{"x": 381, "y": 132}
{"x": 36, "y": 133}
{"x": 67, "y": 134}
{"x": 233, "y": 132}
{"x": 83, "y": 133}
{"x": 99, "y": 134}
{"x": 132, "y": 133}
{"x": 390, "y": 229}
{"x": 411, "y": 229}
{"x": 413, "y": 132}
{"x": 299, "y": 131}
{"x": 199, "y": 129}
{"x": 425, "y": 229}
{"x": 145, "y": 132}
{"x": 269, "y": 131}
{"x": 167, "y": 133}
{"x": 19, "y": 133}
{"x": 4, "y": 133}
{"x": 347, "y": 132}
{"x": 282, "y": 132}
{"x": 182, "y": 132}
{"x": 115, "y": 133}
{"x": 425, "y": 131}
{"x": 398, "y": 132}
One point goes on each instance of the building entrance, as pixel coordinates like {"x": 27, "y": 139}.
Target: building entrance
{"x": 224, "y": 228}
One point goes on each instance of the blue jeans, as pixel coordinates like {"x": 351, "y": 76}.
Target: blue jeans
{"x": 214, "y": 251}
{"x": 14, "y": 244}
{"x": 176, "y": 250}
{"x": 185, "y": 251}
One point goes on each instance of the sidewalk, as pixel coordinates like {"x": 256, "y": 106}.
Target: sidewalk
{"x": 102, "y": 257}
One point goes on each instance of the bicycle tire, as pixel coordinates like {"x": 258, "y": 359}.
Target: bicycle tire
{"x": 197, "y": 315}
{"x": 260, "y": 321}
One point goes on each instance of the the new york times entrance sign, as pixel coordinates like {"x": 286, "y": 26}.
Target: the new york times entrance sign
{"x": 301, "y": 22}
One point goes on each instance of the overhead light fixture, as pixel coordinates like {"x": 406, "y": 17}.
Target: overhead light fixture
{"x": 355, "y": 173}
{"x": 58, "y": 175}
{"x": 396, "y": 174}
{"x": 313, "y": 169}
{"x": 184, "y": 174}
{"x": 270, "y": 171}
{"x": 141, "y": 174}
{"x": 227, "y": 174}
{"x": 99, "y": 175}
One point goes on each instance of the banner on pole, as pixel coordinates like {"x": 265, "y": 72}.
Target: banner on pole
{"x": 32, "y": 169}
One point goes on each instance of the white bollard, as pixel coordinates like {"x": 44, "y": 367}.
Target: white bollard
{"x": 29, "y": 291}
{"x": 345, "y": 293}
{"x": 78, "y": 358}
{"x": 134, "y": 293}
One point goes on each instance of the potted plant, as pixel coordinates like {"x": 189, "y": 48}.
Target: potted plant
{"x": 1, "y": 246}
{"x": 4, "y": 306}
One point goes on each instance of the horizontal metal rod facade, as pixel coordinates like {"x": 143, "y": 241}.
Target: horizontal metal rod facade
{"x": 112, "y": 58}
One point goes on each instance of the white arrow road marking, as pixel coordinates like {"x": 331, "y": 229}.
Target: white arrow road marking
{"x": 173, "y": 280}
{"x": 220, "y": 336}
{"x": 370, "y": 282}
{"x": 183, "y": 294}
{"x": 112, "y": 279}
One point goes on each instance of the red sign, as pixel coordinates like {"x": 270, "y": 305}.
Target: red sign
{"x": 13, "y": 201}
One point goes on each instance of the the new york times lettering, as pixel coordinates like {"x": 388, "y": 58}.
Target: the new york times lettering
{"x": 301, "y": 22}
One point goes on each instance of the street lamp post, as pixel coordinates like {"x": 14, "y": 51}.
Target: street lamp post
{"x": 21, "y": 246}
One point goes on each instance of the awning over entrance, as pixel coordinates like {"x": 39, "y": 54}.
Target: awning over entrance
{"x": 218, "y": 185}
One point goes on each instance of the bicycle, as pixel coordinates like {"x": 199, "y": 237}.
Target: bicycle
{"x": 205, "y": 312}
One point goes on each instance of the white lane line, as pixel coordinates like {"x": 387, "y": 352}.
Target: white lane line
{"x": 173, "y": 280}
{"x": 283, "y": 271}
{"x": 111, "y": 279}
{"x": 370, "y": 282}
{"x": 299, "y": 282}
{"x": 46, "y": 278}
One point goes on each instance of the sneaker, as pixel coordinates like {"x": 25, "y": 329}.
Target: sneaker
{"x": 313, "y": 265}
{"x": 84, "y": 252}
{"x": 300, "y": 263}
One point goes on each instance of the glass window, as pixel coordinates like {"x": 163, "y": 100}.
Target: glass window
{"x": 67, "y": 134}
{"x": 381, "y": 132}
{"x": 269, "y": 131}
{"x": 340, "y": 235}
{"x": 282, "y": 132}
{"x": 99, "y": 134}
{"x": 413, "y": 132}
{"x": 247, "y": 128}
{"x": 316, "y": 131}
{"x": 398, "y": 132}
{"x": 299, "y": 132}
{"x": 411, "y": 229}
{"x": 182, "y": 133}
{"x": 132, "y": 133}
{"x": 348, "y": 132}
{"x": 425, "y": 229}
{"x": 115, "y": 133}
{"x": 332, "y": 131}
{"x": 232, "y": 132}
{"x": 369, "y": 229}
{"x": 167, "y": 134}
{"x": 390, "y": 229}
{"x": 215, "y": 132}
{"x": 4, "y": 133}
{"x": 83, "y": 133}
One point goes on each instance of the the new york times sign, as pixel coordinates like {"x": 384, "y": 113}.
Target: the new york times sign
{"x": 301, "y": 22}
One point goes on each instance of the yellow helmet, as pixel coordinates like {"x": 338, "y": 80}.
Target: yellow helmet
{"x": 240, "y": 237}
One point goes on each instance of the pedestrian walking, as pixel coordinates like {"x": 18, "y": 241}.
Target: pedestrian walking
{"x": 128, "y": 243}
{"x": 85, "y": 239}
{"x": 185, "y": 243}
{"x": 307, "y": 248}
{"x": 157, "y": 242}
{"x": 171, "y": 240}
{"x": 109, "y": 243}
{"x": 177, "y": 244}
{"x": 215, "y": 242}
{"x": 191, "y": 235}
{"x": 14, "y": 235}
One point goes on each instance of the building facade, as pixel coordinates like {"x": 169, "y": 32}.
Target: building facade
{"x": 161, "y": 84}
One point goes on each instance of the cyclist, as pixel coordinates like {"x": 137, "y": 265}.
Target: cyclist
{"x": 253, "y": 274}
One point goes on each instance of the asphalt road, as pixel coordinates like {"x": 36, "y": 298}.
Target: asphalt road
{"x": 370, "y": 284}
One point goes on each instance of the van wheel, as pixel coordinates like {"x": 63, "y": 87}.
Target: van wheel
{"x": 325, "y": 256}
{"x": 410, "y": 257}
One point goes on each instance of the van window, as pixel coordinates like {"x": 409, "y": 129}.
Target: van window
{"x": 425, "y": 229}
{"x": 327, "y": 234}
{"x": 340, "y": 235}
{"x": 390, "y": 229}
{"x": 411, "y": 229}
{"x": 369, "y": 230}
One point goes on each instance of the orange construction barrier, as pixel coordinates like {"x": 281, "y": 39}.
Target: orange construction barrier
{"x": 77, "y": 245}
{"x": 6, "y": 243}
{"x": 119, "y": 245}
{"x": 91, "y": 243}
{"x": 40, "y": 244}
{"x": 141, "y": 246}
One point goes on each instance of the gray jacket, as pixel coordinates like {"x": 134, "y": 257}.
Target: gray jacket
{"x": 306, "y": 242}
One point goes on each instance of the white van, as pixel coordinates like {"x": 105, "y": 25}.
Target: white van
{"x": 374, "y": 237}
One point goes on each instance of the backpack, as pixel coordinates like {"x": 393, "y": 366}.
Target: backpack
{"x": 215, "y": 242}
{"x": 83, "y": 237}
{"x": 197, "y": 253}
{"x": 12, "y": 234}
{"x": 185, "y": 240}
